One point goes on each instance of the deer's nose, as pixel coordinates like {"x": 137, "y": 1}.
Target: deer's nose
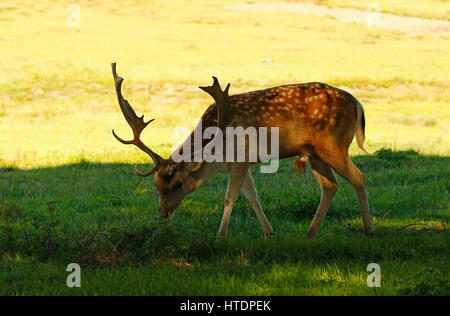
{"x": 165, "y": 214}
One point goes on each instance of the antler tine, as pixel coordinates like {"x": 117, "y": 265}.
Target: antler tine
{"x": 215, "y": 90}
{"x": 222, "y": 101}
{"x": 136, "y": 123}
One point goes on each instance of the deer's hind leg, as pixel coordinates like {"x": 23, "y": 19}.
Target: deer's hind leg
{"x": 341, "y": 163}
{"x": 356, "y": 178}
{"x": 328, "y": 185}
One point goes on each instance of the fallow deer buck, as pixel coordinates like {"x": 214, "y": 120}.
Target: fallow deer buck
{"x": 316, "y": 122}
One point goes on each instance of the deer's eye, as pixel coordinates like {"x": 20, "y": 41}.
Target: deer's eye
{"x": 177, "y": 186}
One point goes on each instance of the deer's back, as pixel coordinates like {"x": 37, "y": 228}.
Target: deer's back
{"x": 306, "y": 114}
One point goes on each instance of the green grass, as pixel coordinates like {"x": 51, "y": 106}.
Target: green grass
{"x": 68, "y": 192}
{"x": 54, "y": 216}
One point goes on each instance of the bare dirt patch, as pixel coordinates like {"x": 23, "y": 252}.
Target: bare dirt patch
{"x": 410, "y": 25}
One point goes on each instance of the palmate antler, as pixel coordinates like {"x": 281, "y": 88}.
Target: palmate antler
{"x": 136, "y": 123}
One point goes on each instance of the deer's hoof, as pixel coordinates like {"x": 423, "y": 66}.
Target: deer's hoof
{"x": 369, "y": 233}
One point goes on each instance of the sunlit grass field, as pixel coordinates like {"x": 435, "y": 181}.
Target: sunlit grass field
{"x": 68, "y": 192}
{"x": 439, "y": 9}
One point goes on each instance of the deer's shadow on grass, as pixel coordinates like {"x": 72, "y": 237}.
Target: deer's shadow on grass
{"x": 104, "y": 213}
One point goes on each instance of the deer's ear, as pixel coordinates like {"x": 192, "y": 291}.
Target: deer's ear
{"x": 193, "y": 166}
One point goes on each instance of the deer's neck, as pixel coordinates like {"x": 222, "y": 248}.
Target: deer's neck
{"x": 207, "y": 171}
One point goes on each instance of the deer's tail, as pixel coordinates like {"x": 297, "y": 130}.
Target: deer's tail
{"x": 360, "y": 126}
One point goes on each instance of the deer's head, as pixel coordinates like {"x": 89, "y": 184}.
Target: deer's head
{"x": 173, "y": 180}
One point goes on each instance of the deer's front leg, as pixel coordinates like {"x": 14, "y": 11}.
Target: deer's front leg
{"x": 238, "y": 173}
